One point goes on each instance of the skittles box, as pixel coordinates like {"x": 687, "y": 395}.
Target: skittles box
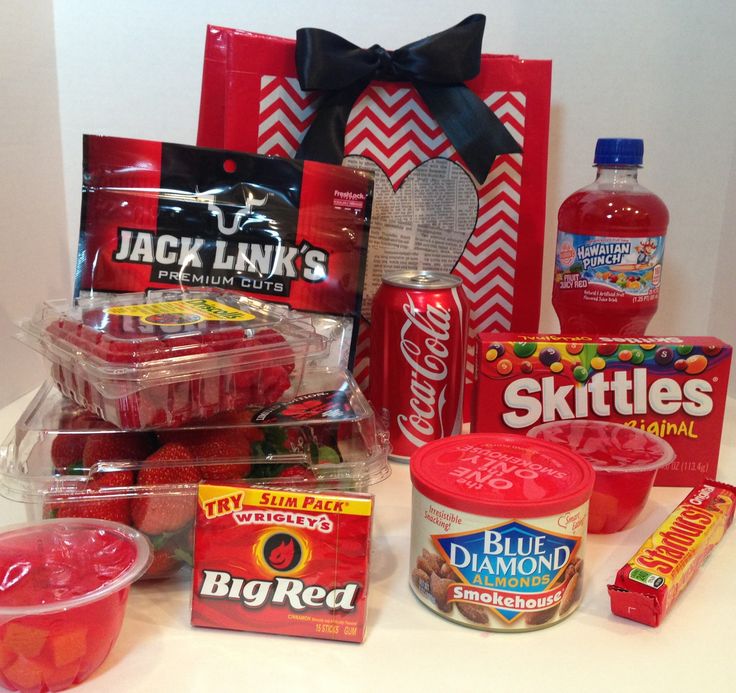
{"x": 673, "y": 387}
{"x": 281, "y": 561}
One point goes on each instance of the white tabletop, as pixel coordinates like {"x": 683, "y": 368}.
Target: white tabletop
{"x": 410, "y": 648}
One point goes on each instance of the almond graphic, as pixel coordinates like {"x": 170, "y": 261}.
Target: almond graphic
{"x": 420, "y": 580}
{"x": 438, "y": 588}
{"x": 537, "y": 618}
{"x": 432, "y": 561}
{"x": 570, "y": 594}
{"x": 474, "y": 612}
{"x": 447, "y": 572}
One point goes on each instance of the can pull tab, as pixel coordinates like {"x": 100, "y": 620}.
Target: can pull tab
{"x": 421, "y": 279}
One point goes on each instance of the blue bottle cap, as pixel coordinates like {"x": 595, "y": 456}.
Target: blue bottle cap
{"x": 627, "y": 152}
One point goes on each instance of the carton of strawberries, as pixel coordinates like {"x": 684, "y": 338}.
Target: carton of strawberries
{"x": 168, "y": 357}
{"x": 151, "y": 395}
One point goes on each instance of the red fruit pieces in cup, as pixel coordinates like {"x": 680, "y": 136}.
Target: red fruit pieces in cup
{"x": 166, "y": 510}
{"x": 607, "y": 446}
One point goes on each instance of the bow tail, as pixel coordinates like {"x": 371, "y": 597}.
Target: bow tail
{"x": 325, "y": 139}
{"x": 474, "y": 130}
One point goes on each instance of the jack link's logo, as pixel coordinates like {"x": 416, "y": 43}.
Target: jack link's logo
{"x": 262, "y": 261}
{"x": 244, "y": 212}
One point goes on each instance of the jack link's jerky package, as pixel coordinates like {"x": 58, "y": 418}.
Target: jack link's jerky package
{"x": 159, "y": 215}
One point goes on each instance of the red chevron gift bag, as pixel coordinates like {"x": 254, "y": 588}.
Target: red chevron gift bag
{"x": 429, "y": 210}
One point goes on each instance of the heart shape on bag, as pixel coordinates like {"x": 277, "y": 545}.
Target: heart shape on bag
{"x": 424, "y": 223}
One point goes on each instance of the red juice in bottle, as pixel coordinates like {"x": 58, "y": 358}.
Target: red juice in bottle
{"x": 610, "y": 245}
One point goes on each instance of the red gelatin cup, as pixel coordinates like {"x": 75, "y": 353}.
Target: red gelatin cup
{"x": 63, "y": 589}
{"x": 625, "y": 461}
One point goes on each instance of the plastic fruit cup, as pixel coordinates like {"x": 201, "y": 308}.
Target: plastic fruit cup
{"x": 625, "y": 461}
{"x": 63, "y": 589}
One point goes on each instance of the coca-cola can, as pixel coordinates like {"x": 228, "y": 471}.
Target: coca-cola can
{"x": 419, "y": 334}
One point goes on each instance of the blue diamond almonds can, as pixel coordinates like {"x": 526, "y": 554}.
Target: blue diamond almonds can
{"x": 498, "y": 530}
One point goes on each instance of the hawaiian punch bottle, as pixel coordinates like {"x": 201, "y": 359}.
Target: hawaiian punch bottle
{"x": 610, "y": 243}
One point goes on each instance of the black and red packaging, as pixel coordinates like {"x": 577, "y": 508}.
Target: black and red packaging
{"x": 160, "y": 215}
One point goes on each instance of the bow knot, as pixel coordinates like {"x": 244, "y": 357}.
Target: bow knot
{"x": 437, "y": 66}
{"x": 386, "y": 68}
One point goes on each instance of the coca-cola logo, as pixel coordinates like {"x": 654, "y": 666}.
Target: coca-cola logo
{"x": 425, "y": 337}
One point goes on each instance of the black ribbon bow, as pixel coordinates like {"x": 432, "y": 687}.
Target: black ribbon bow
{"x": 437, "y": 66}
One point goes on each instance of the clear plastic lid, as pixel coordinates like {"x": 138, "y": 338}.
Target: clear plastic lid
{"x": 170, "y": 334}
{"x": 326, "y": 436}
{"x": 609, "y": 447}
{"x": 57, "y": 565}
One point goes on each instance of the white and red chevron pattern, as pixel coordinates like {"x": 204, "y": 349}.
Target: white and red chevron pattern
{"x": 284, "y": 115}
{"x": 390, "y": 125}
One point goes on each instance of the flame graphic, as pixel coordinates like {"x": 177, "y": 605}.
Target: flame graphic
{"x": 282, "y": 556}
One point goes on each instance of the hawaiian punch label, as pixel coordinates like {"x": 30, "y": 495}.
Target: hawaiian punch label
{"x": 513, "y": 567}
{"x": 602, "y": 267}
{"x": 285, "y": 562}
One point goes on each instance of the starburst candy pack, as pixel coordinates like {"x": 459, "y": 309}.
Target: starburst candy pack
{"x": 673, "y": 387}
{"x": 282, "y": 561}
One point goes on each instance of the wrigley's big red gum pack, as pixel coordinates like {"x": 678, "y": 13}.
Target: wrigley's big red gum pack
{"x": 282, "y": 561}
{"x": 673, "y": 387}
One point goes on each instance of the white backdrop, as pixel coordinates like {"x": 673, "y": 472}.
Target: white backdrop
{"x": 662, "y": 71}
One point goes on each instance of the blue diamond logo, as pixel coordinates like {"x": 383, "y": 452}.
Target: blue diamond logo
{"x": 512, "y": 558}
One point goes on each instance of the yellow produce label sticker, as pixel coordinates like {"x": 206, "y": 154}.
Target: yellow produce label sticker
{"x": 184, "y": 312}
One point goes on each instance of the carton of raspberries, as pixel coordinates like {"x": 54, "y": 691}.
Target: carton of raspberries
{"x": 171, "y": 357}
{"x": 63, "y": 461}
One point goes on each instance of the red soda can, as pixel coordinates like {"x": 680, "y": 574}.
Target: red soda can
{"x": 419, "y": 334}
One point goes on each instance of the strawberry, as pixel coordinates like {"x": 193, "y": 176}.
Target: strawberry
{"x": 169, "y": 509}
{"x": 171, "y": 552}
{"x": 67, "y": 448}
{"x": 214, "y": 449}
{"x": 302, "y": 477}
{"x": 66, "y": 451}
{"x": 103, "y": 506}
{"x": 279, "y": 348}
{"x": 164, "y": 564}
{"x": 229, "y": 440}
{"x": 117, "y": 447}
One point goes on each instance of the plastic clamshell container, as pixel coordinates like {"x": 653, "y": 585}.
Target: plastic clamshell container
{"x": 63, "y": 589}
{"x": 168, "y": 357}
{"x": 625, "y": 460}
{"x": 60, "y": 461}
